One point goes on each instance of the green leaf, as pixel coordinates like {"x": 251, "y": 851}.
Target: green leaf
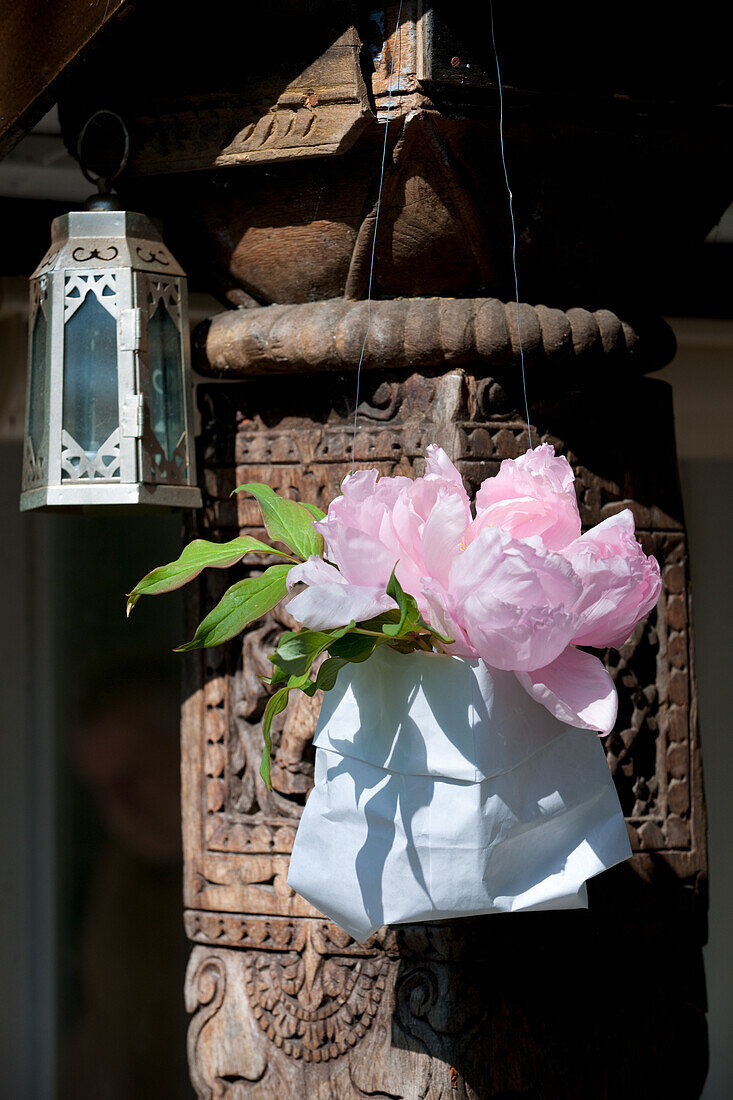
{"x": 354, "y": 647}
{"x": 408, "y": 620}
{"x": 275, "y": 705}
{"x": 444, "y": 638}
{"x": 379, "y": 620}
{"x": 409, "y": 614}
{"x": 301, "y": 682}
{"x": 328, "y": 672}
{"x": 278, "y": 674}
{"x": 314, "y": 510}
{"x": 287, "y": 521}
{"x": 296, "y": 653}
{"x": 239, "y": 606}
{"x": 198, "y": 555}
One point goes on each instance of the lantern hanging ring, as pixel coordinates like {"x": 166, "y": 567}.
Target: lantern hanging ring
{"x": 103, "y": 183}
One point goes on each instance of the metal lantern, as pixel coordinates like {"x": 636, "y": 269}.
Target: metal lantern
{"x": 109, "y": 403}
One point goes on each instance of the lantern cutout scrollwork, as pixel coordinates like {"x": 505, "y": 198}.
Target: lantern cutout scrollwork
{"x": 109, "y": 403}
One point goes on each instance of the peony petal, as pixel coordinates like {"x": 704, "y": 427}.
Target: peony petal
{"x": 363, "y": 504}
{"x": 365, "y": 486}
{"x": 515, "y": 638}
{"x": 323, "y": 606}
{"x": 437, "y": 464}
{"x": 527, "y": 517}
{"x": 361, "y": 557}
{"x": 620, "y": 583}
{"x": 402, "y": 531}
{"x": 379, "y": 523}
{"x": 314, "y": 571}
{"x": 442, "y": 535}
{"x": 532, "y": 495}
{"x": 441, "y": 614}
{"x": 514, "y": 571}
{"x": 576, "y": 688}
{"x": 514, "y": 600}
{"x": 544, "y": 465}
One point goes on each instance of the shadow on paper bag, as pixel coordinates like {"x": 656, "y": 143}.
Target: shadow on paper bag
{"x": 443, "y": 790}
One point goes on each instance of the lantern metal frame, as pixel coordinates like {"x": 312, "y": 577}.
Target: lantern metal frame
{"x": 119, "y": 257}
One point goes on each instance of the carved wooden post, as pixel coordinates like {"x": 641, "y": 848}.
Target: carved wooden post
{"x": 607, "y": 1003}
{"x": 285, "y": 1004}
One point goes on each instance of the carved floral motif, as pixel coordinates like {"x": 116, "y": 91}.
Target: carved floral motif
{"x": 312, "y": 1004}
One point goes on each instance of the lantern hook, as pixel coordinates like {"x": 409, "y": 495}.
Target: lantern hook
{"x": 103, "y": 183}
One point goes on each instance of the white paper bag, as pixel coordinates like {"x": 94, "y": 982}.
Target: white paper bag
{"x": 443, "y": 790}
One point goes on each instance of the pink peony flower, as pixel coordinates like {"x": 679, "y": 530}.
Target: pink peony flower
{"x": 416, "y": 525}
{"x": 620, "y": 583}
{"x": 518, "y": 586}
{"x": 531, "y": 495}
{"x": 513, "y": 601}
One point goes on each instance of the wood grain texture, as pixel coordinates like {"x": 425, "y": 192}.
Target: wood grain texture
{"x": 426, "y": 332}
{"x": 609, "y": 139}
{"x": 40, "y": 42}
{"x": 302, "y": 230}
{"x": 319, "y": 111}
{"x": 251, "y": 95}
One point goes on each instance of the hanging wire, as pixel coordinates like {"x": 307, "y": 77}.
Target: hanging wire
{"x": 511, "y": 215}
{"x": 376, "y": 227}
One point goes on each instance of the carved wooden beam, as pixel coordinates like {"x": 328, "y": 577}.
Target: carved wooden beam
{"x": 422, "y": 332}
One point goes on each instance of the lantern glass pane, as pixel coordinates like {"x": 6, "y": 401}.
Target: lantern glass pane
{"x": 37, "y": 403}
{"x": 91, "y": 405}
{"x": 166, "y": 371}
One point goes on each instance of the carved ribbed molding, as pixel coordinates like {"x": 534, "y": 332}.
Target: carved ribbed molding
{"x": 422, "y": 333}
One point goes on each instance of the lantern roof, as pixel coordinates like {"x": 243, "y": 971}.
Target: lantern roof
{"x": 94, "y": 239}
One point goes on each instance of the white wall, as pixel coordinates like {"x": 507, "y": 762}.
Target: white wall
{"x": 702, "y": 378}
